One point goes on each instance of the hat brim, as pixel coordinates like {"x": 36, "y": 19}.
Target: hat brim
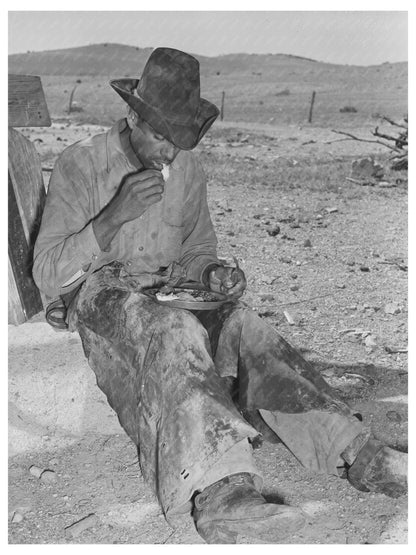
{"x": 184, "y": 136}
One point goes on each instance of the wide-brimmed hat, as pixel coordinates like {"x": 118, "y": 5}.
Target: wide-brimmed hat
{"x": 167, "y": 96}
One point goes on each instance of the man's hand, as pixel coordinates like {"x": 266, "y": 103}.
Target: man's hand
{"x": 227, "y": 280}
{"x": 135, "y": 195}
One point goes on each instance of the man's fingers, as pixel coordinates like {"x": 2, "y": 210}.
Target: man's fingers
{"x": 143, "y": 186}
{"x": 146, "y": 174}
{"x": 154, "y": 190}
{"x": 152, "y": 199}
{"x": 145, "y": 179}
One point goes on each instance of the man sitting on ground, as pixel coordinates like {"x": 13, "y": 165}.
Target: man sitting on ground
{"x": 191, "y": 389}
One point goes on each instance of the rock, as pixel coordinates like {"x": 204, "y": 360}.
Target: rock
{"x": 273, "y": 231}
{"x": 366, "y": 167}
{"x": 36, "y": 471}
{"x": 285, "y": 259}
{"x": 17, "y": 517}
{"x": 393, "y": 416}
{"x": 364, "y": 268}
{"x": 267, "y": 297}
{"x": 48, "y": 477}
{"x": 294, "y": 276}
{"x": 266, "y": 313}
{"x": 392, "y": 308}
{"x": 370, "y": 341}
{"x": 294, "y": 287}
{"x": 331, "y": 210}
{"x": 307, "y": 243}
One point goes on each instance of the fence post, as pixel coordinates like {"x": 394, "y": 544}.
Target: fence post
{"x": 222, "y": 106}
{"x": 311, "y": 107}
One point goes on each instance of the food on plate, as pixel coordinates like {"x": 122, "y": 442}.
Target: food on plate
{"x": 192, "y": 295}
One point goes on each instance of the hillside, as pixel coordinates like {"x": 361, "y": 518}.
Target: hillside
{"x": 117, "y": 59}
{"x": 265, "y": 88}
{"x": 96, "y": 59}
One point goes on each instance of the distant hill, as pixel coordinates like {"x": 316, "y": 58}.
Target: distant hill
{"x": 117, "y": 60}
{"x": 96, "y": 59}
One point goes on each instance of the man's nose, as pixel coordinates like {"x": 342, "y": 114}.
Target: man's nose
{"x": 169, "y": 152}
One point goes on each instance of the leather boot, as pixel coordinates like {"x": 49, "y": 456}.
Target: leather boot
{"x": 233, "y": 506}
{"x": 380, "y": 469}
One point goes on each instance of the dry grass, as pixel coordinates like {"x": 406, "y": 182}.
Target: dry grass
{"x": 253, "y": 85}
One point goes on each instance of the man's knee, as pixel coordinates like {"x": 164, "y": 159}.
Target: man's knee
{"x": 181, "y": 320}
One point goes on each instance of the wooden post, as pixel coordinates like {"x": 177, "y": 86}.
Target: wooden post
{"x": 222, "y": 106}
{"x": 20, "y": 262}
{"x": 26, "y": 194}
{"x": 311, "y": 107}
{"x": 71, "y": 98}
{"x": 27, "y": 104}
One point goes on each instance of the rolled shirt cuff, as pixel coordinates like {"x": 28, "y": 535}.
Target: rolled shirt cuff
{"x": 197, "y": 269}
{"x": 88, "y": 254}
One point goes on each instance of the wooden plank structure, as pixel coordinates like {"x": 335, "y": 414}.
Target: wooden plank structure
{"x": 26, "y": 194}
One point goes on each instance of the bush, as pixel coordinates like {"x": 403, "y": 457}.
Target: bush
{"x": 284, "y": 92}
{"x": 348, "y": 109}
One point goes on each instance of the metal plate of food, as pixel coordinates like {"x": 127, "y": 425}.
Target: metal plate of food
{"x": 192, "y": 297}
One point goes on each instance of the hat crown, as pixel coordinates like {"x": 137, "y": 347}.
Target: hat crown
{"x": 170, "y": 83}
{"x": 167, "y": 97}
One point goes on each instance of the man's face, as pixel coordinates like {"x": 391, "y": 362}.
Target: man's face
{"x": 152, "y": 149}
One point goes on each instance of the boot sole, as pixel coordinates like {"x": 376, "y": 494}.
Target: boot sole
{"x": 268, "y": 528}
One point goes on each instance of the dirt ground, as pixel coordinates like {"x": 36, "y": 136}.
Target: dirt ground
{"x": 326, "y": 260}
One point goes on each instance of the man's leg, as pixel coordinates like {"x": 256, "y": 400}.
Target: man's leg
{"x": 292, "y": 398}
{"x": 155, "y": 366}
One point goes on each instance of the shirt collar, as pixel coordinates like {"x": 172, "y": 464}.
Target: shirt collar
{"x": 118, "y": 144}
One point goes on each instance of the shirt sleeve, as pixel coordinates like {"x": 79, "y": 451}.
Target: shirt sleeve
{"x": 66, "y": 250}
{"x": 199, "y": 247}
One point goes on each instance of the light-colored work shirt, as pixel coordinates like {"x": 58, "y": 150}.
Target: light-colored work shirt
{"x": 85, "y": 178}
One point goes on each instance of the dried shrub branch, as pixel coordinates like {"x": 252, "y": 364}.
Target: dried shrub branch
{"x": 398, "y": 144}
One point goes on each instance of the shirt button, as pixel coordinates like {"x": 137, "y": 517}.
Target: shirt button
{"x": 140, "y": 248}
{"x": 128, "y": 263}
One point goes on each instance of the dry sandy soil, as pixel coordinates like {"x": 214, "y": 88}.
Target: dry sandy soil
{"x": 330, "y": 252}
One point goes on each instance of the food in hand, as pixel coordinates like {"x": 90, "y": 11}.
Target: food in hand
{"x": 165, "y": 172}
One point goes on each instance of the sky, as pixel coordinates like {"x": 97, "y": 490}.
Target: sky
{"x": 341, "y": 37}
